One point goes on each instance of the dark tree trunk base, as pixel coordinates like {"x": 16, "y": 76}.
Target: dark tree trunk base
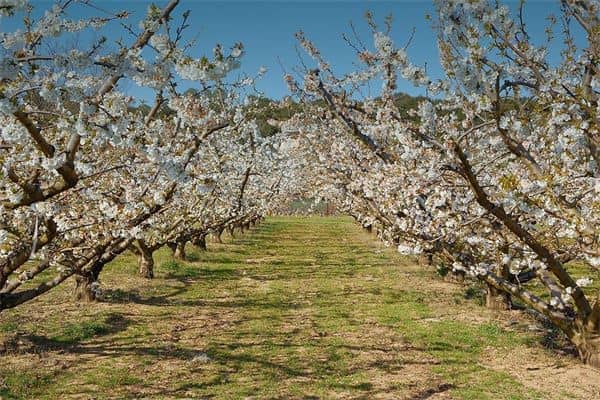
{"x": 85, "y": 288}
{"x": 146, "y": 264}
{"x": 588, "y": 347}
{"x": 218, "y": 235}
{"x": 200, "y": 243}
{"x": 497, "y": 300}
{"x": 426, "y": 259}
{"x": 179, "y": 253}
{"x": 455, "y": 277}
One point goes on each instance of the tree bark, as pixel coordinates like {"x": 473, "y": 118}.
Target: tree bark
{"x": 200, "y": 242}
{"x": 587, "y": 343}
{"x": 84, "y": 288}
{"x": 173, "y": 247}
{"x": 86, "y": 284}
{"x": 145, "y": 260}
{"x": 455, "y": 276}
{"x": 179, "y": 252}
{"x": 426, "y": 259}
{"x": 177, "y": 249}
{"x": 86, "y": 280}
{"x": 218, "y": 235}
{"x": 496, "y": 299}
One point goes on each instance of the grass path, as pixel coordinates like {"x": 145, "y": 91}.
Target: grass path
{"x": 300, "y": 308}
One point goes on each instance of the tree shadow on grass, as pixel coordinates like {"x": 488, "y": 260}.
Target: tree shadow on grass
{"x": 70, "y": 336}
{"x": 187, "y": 277}
{"x": 186, "y": 273}
{"x": 234, "y": 356}
{"x": 428, "y": 393}
{"x": 238, "y": 356}
{"x": 171, "y": 299}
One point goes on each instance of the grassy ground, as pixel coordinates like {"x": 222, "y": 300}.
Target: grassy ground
{"x": 300, "y": 308}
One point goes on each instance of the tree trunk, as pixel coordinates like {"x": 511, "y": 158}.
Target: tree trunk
{"x": 496, "y": 299}
{"x": 85, "y": 288}
{"x": 173, "y": 247}
{"x": 145, "y": 260}
{"x": 588, "y": 346}
{"x": 86, "y": 284}
{"x": 426, "y": 259}
{"x": 218, "y": 235}
{"x": 200, "y": 242}
{"x": 455, "y": 276}
{"x": 179, "y": 252}
{"x": 231, "y": 230}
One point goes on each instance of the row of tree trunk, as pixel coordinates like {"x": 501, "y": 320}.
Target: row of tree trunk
{"x": 87, "y": 287}
{"x": 495, "y": 299}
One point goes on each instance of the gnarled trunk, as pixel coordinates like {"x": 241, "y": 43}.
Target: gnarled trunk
{"x": 426, "y": 259}
{"x": 86, "y": 284}
{"x": 145, "y": 260}
{"x": 177, "y": 249}
{"x": 86, "y": 279}
{"x": 589, "y": 350}
{"x": 586, "y": 339}
{"x": 85, "y": 288}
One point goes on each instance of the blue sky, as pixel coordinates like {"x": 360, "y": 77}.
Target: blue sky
{"x": 266, "y": 28}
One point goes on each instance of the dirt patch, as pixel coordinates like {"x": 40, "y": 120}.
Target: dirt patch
{"x": 557, "y": 376}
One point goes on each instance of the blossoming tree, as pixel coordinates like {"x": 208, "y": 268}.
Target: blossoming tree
{"x": 85, "y": 171}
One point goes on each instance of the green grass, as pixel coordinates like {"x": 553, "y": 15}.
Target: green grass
{"x": 76, "y": 332}
{"x": 26, "y": 384}
{"x": 297, "y": 308}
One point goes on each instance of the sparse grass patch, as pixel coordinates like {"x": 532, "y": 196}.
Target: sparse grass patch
{"x": 76, "y": 332}
{"x": 25, "y": 385}
{"x": 192, "y": 256}
{"x": 108, "y": 377}
{"x": 179, "y": 270}
{"x": 170, "y": 266}
{"x": 9, "y": 326}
